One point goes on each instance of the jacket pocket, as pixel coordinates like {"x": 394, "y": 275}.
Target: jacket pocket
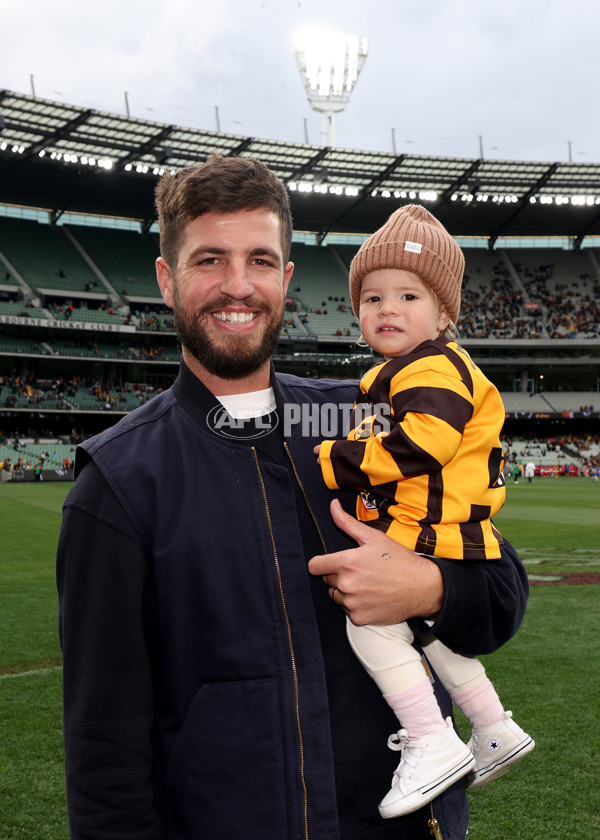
{"x": 226, "y": 775}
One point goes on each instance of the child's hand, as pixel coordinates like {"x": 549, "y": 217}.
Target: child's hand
{"x": 316, "y": 452}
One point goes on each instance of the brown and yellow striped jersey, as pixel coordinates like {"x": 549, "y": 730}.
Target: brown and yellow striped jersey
{"x": 424, "y": 450}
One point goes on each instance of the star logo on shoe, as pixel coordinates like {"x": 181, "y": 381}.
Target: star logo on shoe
{"x": 495, "y": 745}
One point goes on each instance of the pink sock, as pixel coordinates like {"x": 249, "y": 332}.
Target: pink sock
{"x": 480, "y": 704}
{"x": 417, "y": 710}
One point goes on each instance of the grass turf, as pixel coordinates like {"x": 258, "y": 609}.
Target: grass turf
{"x": 31, "y": 760}
{"x": 547, "y": 674}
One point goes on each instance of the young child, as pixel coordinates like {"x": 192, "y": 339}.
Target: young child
{"x": 424, "y": 450}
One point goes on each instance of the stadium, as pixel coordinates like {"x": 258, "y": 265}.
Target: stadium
{"x": 85, "y": 338}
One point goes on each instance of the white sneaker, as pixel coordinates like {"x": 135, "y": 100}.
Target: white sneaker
{"x": 428, "y": 766}
{"x": 496, "y": 748}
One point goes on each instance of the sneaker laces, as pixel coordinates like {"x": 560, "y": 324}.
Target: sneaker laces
{"x": 398, "y": 741}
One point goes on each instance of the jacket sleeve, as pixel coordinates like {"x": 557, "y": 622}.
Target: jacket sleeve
{"x": 420, "y": 436}
{"x": 105, "y": 592}
{"x": 483, "y": 603}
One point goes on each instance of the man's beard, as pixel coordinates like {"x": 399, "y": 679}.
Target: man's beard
{"x": 237, "y": 356}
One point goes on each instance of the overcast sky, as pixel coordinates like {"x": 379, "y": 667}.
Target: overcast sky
{"x": 523, "y": 75}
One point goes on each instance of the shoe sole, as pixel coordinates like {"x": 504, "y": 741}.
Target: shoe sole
{"x": 424, "y": 795}
{"x": 495, "y": 769}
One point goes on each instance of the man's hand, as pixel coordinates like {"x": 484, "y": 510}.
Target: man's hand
{"x": 380, "y": 581}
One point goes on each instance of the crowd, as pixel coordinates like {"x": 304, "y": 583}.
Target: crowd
{"x": 58, "y": 392}
{"x": 496, "y": 306}
{"x": 569, "y": 309}
{"x": 501, "y": 309}
{"x": 27, "y": 464}
{"x": 494, "y": 311}
{"x": 581, "y": 449}
{"x": 35, "y": 392}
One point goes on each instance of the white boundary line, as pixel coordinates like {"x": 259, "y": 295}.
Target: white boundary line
{"x": 35, "y": 672}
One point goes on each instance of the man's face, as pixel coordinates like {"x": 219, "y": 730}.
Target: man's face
{"x": 227, "y": 291}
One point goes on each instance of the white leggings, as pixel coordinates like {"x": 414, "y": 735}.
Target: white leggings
{"x": 389, "y": 657}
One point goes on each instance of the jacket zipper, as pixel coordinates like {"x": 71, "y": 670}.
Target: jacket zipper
{"x": 290, "y": 642}
{"x": 434, "y": 826}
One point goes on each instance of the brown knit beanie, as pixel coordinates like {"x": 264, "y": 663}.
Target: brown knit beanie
{"x": 412, "y": 239}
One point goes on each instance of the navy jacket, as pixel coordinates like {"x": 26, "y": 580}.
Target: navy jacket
{"x": 196, "y": 699}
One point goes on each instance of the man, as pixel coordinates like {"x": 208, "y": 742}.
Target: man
{"x": 209, "y": 690}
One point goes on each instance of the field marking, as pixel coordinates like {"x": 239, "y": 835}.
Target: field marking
{"x": 564, "y": 561}
{"x": 578, "y": 558}
{"x": 34, "y": 672}
{"x": 572, "y": 578}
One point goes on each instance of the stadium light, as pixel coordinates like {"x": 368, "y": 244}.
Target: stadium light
{"x": 329, "y": 64}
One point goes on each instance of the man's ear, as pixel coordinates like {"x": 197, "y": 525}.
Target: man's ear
{"x": 164, "y": 276}
{"x": 287, "y": 276}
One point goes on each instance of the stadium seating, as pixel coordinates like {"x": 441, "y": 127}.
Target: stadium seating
{"x": 124, "y": 257}
{"x": 564, "y": 287}
{"x": 556, "y": 401}
{"x": 18, "y": 308}
{"x": 52, "y": 451}
{"x": 97, "y": 316}
{"x": 517, "y": 293}
{"x": 44, "y": 256}
{"x": 8, "y": 280}
{"x": 320, "y": 285}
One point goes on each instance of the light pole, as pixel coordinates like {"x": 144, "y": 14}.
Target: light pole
{"x": 329, "y": 64}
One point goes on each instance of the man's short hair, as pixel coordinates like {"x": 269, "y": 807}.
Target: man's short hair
{"x": 221, "y": 185}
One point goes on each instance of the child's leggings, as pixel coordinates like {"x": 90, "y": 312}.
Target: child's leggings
{"x": 389, "y": 657}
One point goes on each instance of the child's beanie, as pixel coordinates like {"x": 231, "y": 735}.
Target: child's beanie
{"x": 414, "y": 240}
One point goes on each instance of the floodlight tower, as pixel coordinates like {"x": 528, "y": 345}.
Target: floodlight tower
{"x": 329, "y": 65}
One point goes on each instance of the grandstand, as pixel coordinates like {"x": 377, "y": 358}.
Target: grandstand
{"x": 508, "y": 295}
{"x": 85, "y": 337}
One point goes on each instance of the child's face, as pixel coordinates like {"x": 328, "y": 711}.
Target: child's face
{"x": 398, "y": 312}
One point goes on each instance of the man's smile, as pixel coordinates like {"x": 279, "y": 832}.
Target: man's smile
{"x": 235, "y": 317}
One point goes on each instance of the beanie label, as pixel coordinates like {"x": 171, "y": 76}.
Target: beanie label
{"x": 415, "y": 247}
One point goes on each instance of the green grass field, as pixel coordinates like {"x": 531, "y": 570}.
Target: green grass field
{"x": 548, "y": 674}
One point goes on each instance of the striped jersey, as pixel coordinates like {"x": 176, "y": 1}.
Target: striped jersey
{"x": 424, "y": 450}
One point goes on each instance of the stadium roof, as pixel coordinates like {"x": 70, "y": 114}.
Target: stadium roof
{"x": 66, "y": 158}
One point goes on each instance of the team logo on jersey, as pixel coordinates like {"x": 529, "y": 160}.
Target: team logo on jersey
{"x": 370, "y": 420}
{"x": 369, "y": 500}
{"x": 364, "y": 430}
